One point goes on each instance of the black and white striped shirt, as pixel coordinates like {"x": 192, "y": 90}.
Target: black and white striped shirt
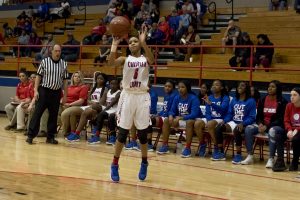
{"x": 53, "y": 73}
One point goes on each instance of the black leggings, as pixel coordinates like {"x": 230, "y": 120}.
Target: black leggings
{"x": 237, "y": 135}
{"x": 296, "y": 148}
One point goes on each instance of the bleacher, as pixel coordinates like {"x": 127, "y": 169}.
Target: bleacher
{"x": 275, "y": 24}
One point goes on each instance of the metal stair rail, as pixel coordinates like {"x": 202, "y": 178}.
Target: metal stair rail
{"x": 232, "y": 13}
{"x": 212, "y": 8}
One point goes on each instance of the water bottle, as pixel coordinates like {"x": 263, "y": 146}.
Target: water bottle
{"x": 178, "y": 147}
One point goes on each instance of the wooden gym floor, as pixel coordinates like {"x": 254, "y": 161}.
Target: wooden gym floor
{"x": 81, "y": 171}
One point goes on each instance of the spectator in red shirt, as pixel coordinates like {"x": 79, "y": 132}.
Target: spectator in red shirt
{"x": 96, "y": 34}
{"x": 20, "y": 98}
{"x": 33, "y": 40}
{"x": 292, "y": 126}
{"x": 136, "y": 6}
{"x": 77, "y": 96}
{"x": 269, "y": 119}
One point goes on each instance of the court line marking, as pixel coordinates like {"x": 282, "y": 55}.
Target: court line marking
{"x": 110, "y": 182}
{"x": 164, "y": 161}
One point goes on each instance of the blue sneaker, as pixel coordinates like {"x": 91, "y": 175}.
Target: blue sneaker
{"x": 186, "y": 153}
{"x": 149, "y": 147}
{"x": 94, "y": 130}
{"x": 237, "y": 159}
{"x": 216, "y": 151}
{"x": 94, "y": 140}
{"x": 143, "y": 171}
{"x": 73, "y": 137}
{"x": 202, "y": 150}
{"x": 112, "y": 140}
{"x": 218, "y": 156}
{"x": 114, "y": 173}
{"x": 131, "y": 145}
{"x": 164, "y": 149}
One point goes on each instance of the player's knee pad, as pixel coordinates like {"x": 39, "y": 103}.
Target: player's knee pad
{"x": 122, "y": 136}
{"x": 142, "y": 135}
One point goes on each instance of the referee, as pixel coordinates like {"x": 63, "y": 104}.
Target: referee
{"x": 52, "y": 75}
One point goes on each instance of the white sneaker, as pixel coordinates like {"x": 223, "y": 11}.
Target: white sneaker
{"x": 248, "y": 161}
{"x": 270, "y": 163}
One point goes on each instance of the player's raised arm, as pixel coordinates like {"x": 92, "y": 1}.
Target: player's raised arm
{"x": 112, "y": 58}
{"x": 148, "y": 53}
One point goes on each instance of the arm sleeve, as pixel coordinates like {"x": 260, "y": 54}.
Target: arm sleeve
{"x": 223, "y": 107}
{"x": 41, "y": 68}
{"x": 250, "y": 118}
{"x": 195, "y": 109}
{"x": 208, "y": 112}
{"x": 153, "y": 107}
{"x": 173, "y": 112}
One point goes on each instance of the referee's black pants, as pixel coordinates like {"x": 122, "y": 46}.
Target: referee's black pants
{"x": 50, "y": 99}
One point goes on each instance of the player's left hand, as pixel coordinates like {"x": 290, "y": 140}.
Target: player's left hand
{"x": 143, "y": 34}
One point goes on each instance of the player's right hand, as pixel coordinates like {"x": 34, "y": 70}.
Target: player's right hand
{"x": 116, "y": 40}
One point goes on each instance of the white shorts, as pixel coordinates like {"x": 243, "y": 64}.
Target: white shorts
{"x": 232, "y": 125}
{"x": 133, "y": 109}
{"x": 203, "y": 119}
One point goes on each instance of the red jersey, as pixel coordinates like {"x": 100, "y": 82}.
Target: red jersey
{"x": 99, "y": 30}
{"x": 31, "y": 91}
{"x": 270, "y": 108}
{"x": 292, "y": 117}
{"x": 76, "y": 92}
{"x": 22, "y": 90}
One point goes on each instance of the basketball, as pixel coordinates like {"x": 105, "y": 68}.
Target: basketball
{"x": 119, "y": 26}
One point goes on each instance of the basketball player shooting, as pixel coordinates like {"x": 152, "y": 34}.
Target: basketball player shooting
{"x": 134, "y": 103}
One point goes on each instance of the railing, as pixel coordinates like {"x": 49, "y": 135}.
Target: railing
{"x": 82, "y": 6}
{"x": 232, "y": 12}
{"x": 212, "y": 8}
{"x": 187, "y": 67}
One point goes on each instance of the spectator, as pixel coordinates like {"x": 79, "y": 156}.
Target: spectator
{"x": 71, "y": 54}
{"x": 185, "y": 19}
{"x": 178, "y": 5}
{"x": 173, "y": 21}
{"x": 155, "y": 35}
{"x": 22, "y": 40}
{"x": 33, "y": 40}
{"x": 103, "y": 50}
{"x": 188, "y": 6}
{"x": 241, "y": 113}
{"x": 231, "y": 36}
{"x": 46, "y": 50}
{"x": 96, "y": 34}
{"x": 111, "y": 105}
{"x": 269, "y": 119}
{"x": 20, "y": 26}
{"x": 297, "y": 6}
{"x": 110, "y": 13}
{"x": 154, "y": 13}
{"x": 190, "y": 38}
{"x": 242, "y": 53}
{"x": 263, "y": 55}
{"x": 21, "y": 96}
{"x": 43, "y": 11}
{"x": 8, "y": 32}
{"x": 291, "y": 124}
{"x": 28, "y": 26}
{"x": 275, "y": 4}
{"x": 122, "y": 6}
{"x": 61, "y": 12}
{"x": 30, "y": 12}
{"x": 77, "y": 96}
{"x": 136, "y": 6}
{"x": 204, "y": 93}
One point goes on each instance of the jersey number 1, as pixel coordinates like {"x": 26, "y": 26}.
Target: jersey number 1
{"x": 136, "y": 73}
